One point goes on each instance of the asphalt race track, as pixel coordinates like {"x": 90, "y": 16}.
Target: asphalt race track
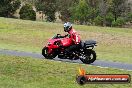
{"x": 100, "y": 63}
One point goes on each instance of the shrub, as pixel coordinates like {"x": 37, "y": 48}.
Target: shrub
{"x": 129, "y": 17}
{"x": 119, "y": 22}
{"x": 98, "y": 20}
{"x": 48, "y": 7}
{"x": 109, "y": 18}
{"x": 27, "y": 13}
{"x": 9, "y": 7}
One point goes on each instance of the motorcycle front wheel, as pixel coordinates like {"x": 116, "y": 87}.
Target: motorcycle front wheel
{"x": 46, "y": 55}
{"x": 89, "y": 56}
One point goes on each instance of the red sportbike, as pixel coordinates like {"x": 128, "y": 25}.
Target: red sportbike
{"x": 58, "y": 44}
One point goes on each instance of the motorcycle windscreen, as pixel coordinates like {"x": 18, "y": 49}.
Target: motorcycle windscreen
{"x": 66, "y": 42}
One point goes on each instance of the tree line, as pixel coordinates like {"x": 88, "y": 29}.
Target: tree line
{"x": 88, "y": 12}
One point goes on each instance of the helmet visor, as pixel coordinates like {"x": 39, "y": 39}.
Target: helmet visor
{"x": 66, "y": 29}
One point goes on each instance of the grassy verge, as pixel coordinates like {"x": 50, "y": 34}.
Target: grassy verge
{"x": 114, "y": 44}
{"x": 24, "y": 72}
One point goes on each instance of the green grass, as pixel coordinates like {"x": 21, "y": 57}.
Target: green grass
{"x": 114, "y": 44}
{"x": 24, "y": 72}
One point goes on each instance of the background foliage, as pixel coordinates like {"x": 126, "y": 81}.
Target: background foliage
{"x": 8, "y": 7}
{"x": 88, "y": 12}
{"x": 27, "y": 13}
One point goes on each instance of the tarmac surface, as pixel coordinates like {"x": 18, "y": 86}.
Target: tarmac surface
{"x": 100, "y": 63}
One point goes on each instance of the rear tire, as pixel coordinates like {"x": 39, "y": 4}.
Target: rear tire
{"x": 87, "y": 58}
{"x": 46, "y": 55}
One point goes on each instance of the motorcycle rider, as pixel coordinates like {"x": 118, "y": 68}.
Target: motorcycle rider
{"x": 74, "y": 36}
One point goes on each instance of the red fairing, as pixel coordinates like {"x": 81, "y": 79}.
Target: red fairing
{"x": 51, "y": 45}
{"x": 74, "y": 39}
{"x": 66, "y": 42}
{"x": 63, "y": 41}
{"x": 75, "y": 36}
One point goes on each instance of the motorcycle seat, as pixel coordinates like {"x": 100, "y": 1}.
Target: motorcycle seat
{"x": 89, "y": 42}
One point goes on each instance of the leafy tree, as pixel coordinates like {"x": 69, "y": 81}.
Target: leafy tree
{"x": 117, "y": 8}
{"x": 29, "y": 1}
{"x": 129, "y": 17}
{"x": 81, "y": 12}
{"x": 8, "y": 7}
{"x": 109, "y": 18}
{"x": 93, "y": 3}
{"x": 103, "y": 9}
{"x": 27, "y": 13}
{"x": 64, "y": 7}
{"x": 48, "y": 7}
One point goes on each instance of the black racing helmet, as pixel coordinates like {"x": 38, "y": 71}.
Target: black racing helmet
{"x": 67, "y": 26}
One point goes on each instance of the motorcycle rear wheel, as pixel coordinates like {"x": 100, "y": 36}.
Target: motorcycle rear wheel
{"x": 46, "y": 55}
{"x": 89, "y": 57}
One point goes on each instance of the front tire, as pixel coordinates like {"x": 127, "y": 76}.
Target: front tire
{"x": 89, "y": 57}
{"x": 46, "y": 55}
